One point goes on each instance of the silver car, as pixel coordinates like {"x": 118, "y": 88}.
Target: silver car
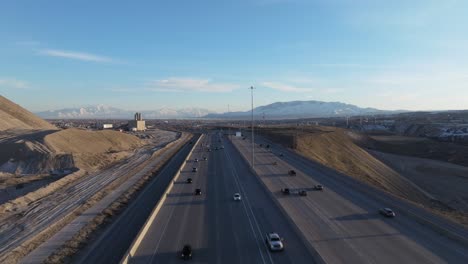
{"x": 274, "y": 242}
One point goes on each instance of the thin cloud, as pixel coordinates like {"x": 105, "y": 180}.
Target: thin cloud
{"x": 82, "y": 56}
{"x": 285, "y": 87}
{"x": 189, "y": 85}
{"x": 13, "y": 83}
{"x": 27, "y": 43}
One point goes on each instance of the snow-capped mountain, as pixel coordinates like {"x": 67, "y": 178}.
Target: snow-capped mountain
{"x": 304, "y": 109}
{"x": 108, "y": 112}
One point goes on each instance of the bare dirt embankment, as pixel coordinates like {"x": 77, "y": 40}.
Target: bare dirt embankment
{"x": 13, "y": 116}
{"x": 92, "y": 150}
{"x": 345, "y": 152}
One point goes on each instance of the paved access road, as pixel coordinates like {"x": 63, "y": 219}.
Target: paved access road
{"x": 342, "y": 222}
{"x": 219, "y": 229}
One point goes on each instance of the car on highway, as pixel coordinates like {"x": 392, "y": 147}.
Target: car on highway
{"x": 237, "y": 197}
{"x": 194, "y": 169}
{"x": 189, "y": 180}
{"x": 281, "y": 155}
{"x": 222, "y": 147}
{"x": 318, "y": 187}
{"x": 196, "y": 160}
{"x": 198, "y": 191}
{"x": 285, "y": 191}
{"x": 292, "y": 172}
{"x": 303, "y": 193}
{"x": 204, "y": 158}
{"x": 260, "y": 145}
{"x": 275, "y": 163}
{"x": 387, "y": 212}
{"x": 186, "y": 252}
{"x": 274, "y": 242}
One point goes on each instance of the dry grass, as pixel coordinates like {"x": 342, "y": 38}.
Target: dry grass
{"x": 92, "y": 150}
{"x": 13, "y": 116}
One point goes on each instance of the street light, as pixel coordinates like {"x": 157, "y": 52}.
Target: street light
{"x": 253, "y": 141}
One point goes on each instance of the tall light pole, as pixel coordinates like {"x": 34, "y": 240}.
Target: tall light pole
{"x": 253, "y": 141}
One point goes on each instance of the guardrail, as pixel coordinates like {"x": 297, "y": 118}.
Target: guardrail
{"x": 141, "y": 234}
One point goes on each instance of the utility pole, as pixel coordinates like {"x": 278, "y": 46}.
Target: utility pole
{"x": 253, "y": 141}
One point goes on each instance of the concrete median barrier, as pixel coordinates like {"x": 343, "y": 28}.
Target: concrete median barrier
{"x": 136, "y": 243}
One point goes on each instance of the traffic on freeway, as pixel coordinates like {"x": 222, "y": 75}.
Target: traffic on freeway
{"x": 223, "y": 215}
{"x": 344, "y": 221}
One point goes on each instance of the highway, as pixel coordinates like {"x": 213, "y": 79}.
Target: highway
{"x": 342, "y": 222}
{"x": 219, "y": 229}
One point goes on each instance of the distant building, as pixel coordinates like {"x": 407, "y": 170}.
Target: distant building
{"x": 106, "y": 126}
{"x": 138, "y": 124}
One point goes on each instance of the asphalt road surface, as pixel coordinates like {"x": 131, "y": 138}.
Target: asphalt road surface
{"x": 219, "y": 229}
{"x": 342, "y": 222}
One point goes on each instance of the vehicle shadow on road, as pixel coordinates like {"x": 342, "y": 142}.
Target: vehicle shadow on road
{"x": 199, "y": 255}
{"x": 351, "y": 217}
{"x": 181, "y": 182}
{"x": 180, "y": 194}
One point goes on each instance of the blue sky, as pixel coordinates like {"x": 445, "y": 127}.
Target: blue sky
{"x": 143, "y": 55}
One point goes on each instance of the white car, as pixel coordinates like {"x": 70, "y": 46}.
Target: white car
{"x": 237, "y": 197}
{"x": 274, "y": 242}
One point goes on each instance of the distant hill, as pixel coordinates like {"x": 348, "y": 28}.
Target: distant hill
{"x": 13, "y": 116}
{"x": 108, "y": 112}
{"x": 304, "y": 109}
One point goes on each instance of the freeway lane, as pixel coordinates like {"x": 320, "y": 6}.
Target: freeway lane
{"x": 219, "y": 229}
{"x": 342, "y": 223}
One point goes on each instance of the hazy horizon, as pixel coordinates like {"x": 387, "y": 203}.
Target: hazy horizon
{"x": 206, "y": 54}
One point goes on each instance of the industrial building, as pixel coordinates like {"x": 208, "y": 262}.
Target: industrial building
{"x": 105, "y": 126}
{"x": 137, "y": 124}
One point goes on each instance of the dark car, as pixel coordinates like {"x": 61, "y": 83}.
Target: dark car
{"x": 292, "y": 172}
{"x": 285, "y": 191}
{"x": 186, "y": 252}
{"x": 189, "y": 180}
{"x": 197, "y": 191}
{"x": 196, "y": 160}
{"x": 261, "y": 145}
{"x": 387, "y": 212}
{"x": 318, "y": 187}
{"x": 281, "y": 155}
{"x": 204, "y": 158}
{"x": 194, "y": 169}
{"x": 302, "y": 193}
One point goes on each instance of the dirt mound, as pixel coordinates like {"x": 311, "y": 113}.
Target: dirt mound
{"x": 336, "y": 149}
{"x": 13, "y": 116}
{"x": 420, "y": 147}
{"x": 91, "y": 149}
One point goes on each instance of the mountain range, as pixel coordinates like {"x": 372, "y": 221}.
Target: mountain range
{"x": 279, "y": 110}
{"x": 109, "y": 112}
{"x": 303, "y": 109}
